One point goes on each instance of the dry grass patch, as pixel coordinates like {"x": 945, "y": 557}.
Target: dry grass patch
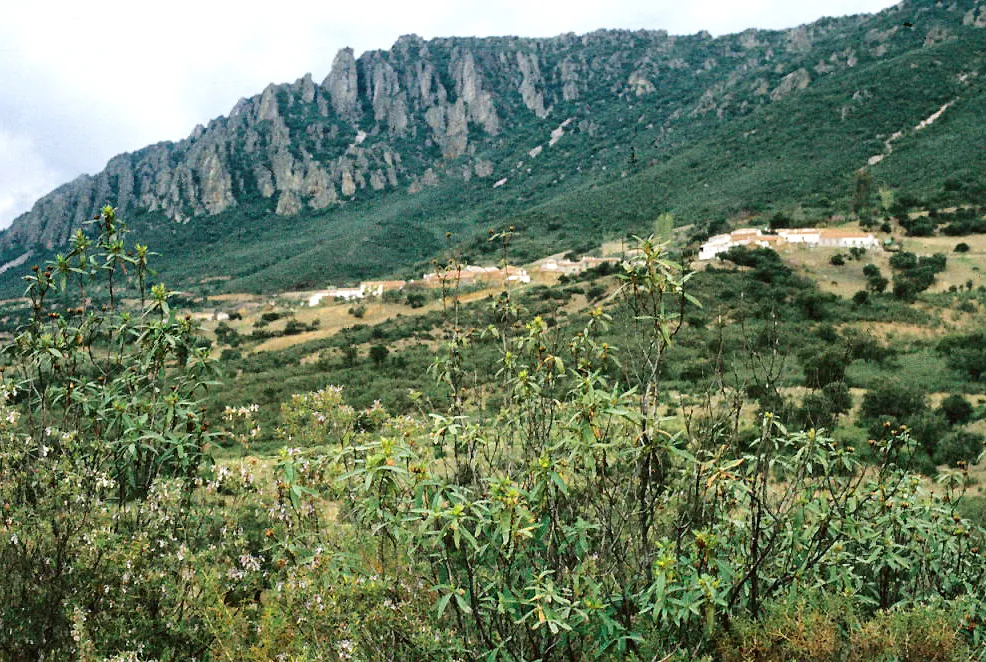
{"x": 844, "y": 280}
{"x": 334, "y": 317}
{"x": 961, "y": 267}
{"x": 235, "y": 297}
{"x": 897, "y": 331}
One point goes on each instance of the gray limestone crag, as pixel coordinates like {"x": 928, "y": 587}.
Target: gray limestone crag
{"x": 796, "y": 80}
{"x": 342, "y": 84}
{"x": 399, "y": 120}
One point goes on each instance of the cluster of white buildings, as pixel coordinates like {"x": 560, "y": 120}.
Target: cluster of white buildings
{"x": 465, "y": 275}
{"x": 808, "y": 237}
{"x": 369, "y": 288}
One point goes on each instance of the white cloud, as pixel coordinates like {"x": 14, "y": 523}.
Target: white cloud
{"x": 24, "y": 173}
{"x": 85, "y": 81}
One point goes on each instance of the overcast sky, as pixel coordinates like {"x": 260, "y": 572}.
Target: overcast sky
{"x": 82, "y": 81}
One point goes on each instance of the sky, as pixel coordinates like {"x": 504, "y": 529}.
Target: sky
{"x": 83, "y": 81}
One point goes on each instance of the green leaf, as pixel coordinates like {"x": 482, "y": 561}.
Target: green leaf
{"x": 443, "y": 603}
{"x": 460, "y": 600}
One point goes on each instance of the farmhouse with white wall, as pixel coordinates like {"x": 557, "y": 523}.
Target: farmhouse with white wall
{"x": 807, "y": 237}
{"x": 745, "y": 237}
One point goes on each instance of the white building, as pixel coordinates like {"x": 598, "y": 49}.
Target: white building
{"x": 565, "y": 267}
{"x": 376, "y": 288}
{"x": 474, "y": 274}
{"x": 569, "y": 267}
{"x": 346, "y": 293}
{"x": 743, "y": 237}
{"x": 515, "y": 274}
{"x": 846, "y": 239}
{"x": 807, "y": 237}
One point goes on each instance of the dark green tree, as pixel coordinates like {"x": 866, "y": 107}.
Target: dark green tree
{"x": 824, "y": 368}
{"x": 893, "y": 398}
{"x": 958, "y": 447}
{"x": 862, "y": 194}
{"x": 966, "y": 353}
{"x": 379, "y": 354}
{"x": 956, "y": 409}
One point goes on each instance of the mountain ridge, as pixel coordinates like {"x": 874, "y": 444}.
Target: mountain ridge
{"x": 446, "y": 113}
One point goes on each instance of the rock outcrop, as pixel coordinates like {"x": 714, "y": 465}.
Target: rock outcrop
{"x": 394, "y": 121}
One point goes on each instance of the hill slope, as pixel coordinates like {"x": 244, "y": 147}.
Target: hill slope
{"x": 570, "y": 138}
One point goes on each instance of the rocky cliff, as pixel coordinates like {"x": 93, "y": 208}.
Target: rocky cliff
{"x": 398, "y": 121}
{"x": 389, "y": 120}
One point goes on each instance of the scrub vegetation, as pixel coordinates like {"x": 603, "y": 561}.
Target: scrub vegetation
{"x": 685, "y": 465}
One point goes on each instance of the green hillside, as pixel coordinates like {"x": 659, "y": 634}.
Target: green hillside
{"x": 760, "y": 123}
{"x": 800, "y": 153}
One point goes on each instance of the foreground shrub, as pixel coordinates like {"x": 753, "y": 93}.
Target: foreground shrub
{"x": 573, "y": 523}
{"x": 832, "y": 630}
{"x": 922, "y": 633}
{"x": 573, "y": 520}
{"x": 101, "y": 447}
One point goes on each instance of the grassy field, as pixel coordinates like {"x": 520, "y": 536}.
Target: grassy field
{"x": 331, "y": 316}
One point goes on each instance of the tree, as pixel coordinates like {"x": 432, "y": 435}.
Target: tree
{"x": 903, "y": 261}
{"x": 956, "y": 409}
{"x": 905, "y": 289}
{"x": 915, "y": 274}
{"x": 350, "y": 356}
{"x": 822, "y": 408}
{"x": 632, "y": 161}
{"x": 824, "y": 368}
{"x": 928, "y": 427}
{"x": 862, "y": 190}
{"x": 886, "y": 199}
{"x": 378, "y": 354}
{"x": 893, "y": 398}
{"x": 965, "y": 353}
{"x": 839, "y": 397}
{"x": 664, "y": 225}
{"x": 958, "y": 447}
{"x": 875, "y": 282}
{"x": 864, "y": 347}
{"x": 227, "y": 335}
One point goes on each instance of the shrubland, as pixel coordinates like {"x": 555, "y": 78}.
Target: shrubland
{"x": 535, "y": 498}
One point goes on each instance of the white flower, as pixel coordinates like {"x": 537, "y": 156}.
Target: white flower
{"x": 249, "y": 562}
